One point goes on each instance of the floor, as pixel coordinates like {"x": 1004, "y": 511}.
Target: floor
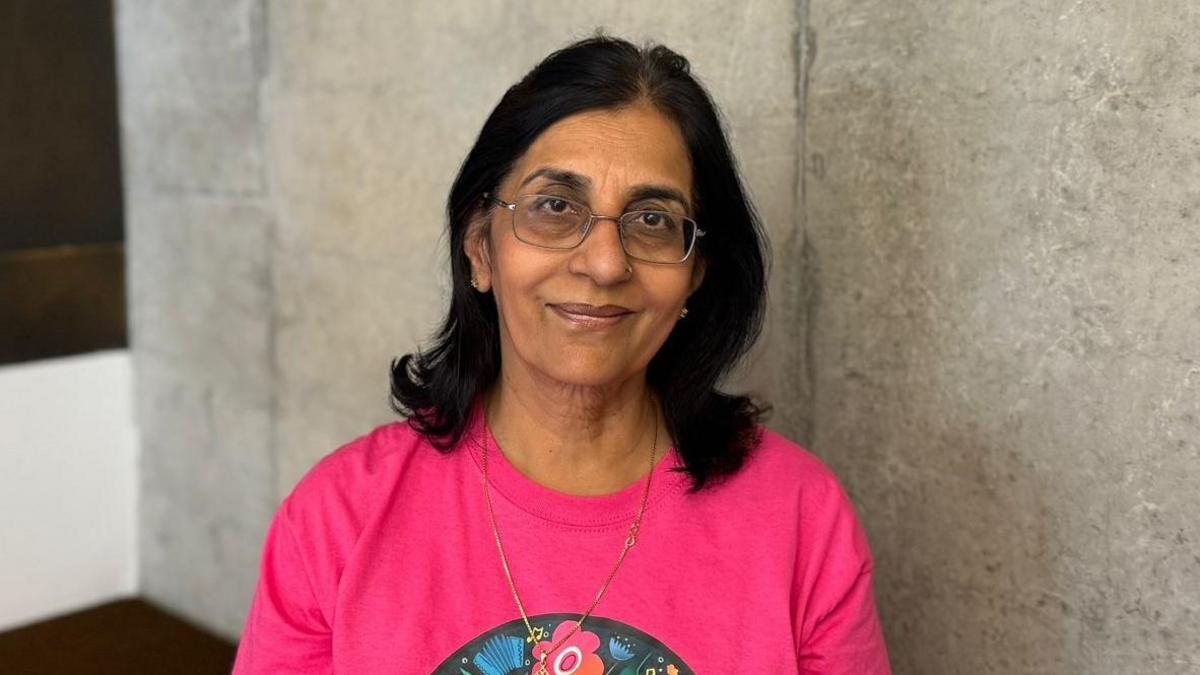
{"x": 129, "y": 637}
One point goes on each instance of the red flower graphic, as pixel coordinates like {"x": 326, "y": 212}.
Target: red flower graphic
{"x": 575, "y": 656}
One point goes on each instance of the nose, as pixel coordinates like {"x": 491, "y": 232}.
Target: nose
{"x": 601, "y": 255}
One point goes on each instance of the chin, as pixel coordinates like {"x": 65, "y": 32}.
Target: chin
{"x": 587, "y": 372}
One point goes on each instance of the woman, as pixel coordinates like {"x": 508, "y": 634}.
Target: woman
{"x": 570, "y": 494}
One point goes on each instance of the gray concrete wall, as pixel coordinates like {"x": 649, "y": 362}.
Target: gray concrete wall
{"x": 199, "y": 226}
{"x": 1002, "y": 210}
{"x": 287, "y": 165}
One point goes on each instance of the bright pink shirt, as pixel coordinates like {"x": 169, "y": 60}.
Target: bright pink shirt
{"x": 382, "y": 561}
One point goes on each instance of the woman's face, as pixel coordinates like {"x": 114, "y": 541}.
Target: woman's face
{"x": 589, "y": 316}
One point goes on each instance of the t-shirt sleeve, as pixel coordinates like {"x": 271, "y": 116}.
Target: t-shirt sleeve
{"x": 286, "y": 630}
{"x": 841, "y": 631}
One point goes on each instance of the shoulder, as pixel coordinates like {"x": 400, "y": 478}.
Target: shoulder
{"x": 343, "y": 488}
{"x": 831, "y": 564}
{"x": 788, "y": 486}
{"x": 366, "y": 456}
{"x": 316, "y": 528}
{"x": 790, "y": 470}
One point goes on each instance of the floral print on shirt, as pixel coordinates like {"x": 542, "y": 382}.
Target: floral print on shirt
{"x": 602, "y": 647}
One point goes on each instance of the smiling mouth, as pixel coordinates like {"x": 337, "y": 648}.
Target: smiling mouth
{"x": 591, "y": 316}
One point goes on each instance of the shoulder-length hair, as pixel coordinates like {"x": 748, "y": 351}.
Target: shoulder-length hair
{"x": 714, "y": 432}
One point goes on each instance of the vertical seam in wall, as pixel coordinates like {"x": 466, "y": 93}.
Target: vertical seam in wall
{"x": 262, "y": 67}
{"x": 804, "y": 46}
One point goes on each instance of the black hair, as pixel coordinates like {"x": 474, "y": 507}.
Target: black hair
{"x": 714, "y": 432}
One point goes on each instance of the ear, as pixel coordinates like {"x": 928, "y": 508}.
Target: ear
{"x": 477, "y": 243}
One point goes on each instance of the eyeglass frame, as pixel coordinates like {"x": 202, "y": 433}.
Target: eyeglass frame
{"x": 511, "y": 207}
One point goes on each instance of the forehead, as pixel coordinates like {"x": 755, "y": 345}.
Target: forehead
{"x": 615, "y": 149}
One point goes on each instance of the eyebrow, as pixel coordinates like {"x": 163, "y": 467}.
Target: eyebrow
{"x": 581, "y": 183}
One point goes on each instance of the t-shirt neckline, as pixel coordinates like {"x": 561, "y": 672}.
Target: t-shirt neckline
{"x": 590, "y": 512}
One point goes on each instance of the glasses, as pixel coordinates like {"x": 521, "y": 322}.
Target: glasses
{"x": 557, "y": 223}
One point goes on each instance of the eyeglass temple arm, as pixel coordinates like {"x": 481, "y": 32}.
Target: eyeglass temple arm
{"x": 487, "y": 196}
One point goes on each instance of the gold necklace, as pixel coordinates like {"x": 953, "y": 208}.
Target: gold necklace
{"x": 629, "y": 542}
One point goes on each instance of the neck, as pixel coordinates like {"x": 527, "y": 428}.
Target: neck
{"x": 577, "y": 440}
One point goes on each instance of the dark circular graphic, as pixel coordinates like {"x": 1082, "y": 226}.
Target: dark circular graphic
{"x": 602, "y": 647}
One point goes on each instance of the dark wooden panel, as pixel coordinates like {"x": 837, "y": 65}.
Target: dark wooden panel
{"x": 118, "y": 638}
{"x": 62, "y": 300}
{"x": 60, "y": 170}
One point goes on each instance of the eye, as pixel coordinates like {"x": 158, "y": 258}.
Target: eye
{"x": 656, "y": 220}
{"x": 553, "y": 205}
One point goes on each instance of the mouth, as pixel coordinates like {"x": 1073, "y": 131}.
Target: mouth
{"x": 591, "y": 316}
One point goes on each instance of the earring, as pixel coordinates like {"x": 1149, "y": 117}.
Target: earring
{"x": 683, "y": 312}
{"x": 474, "y": 283}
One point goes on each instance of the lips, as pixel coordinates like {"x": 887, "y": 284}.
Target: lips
{"x": 592, "y": 310}
{"x": 591, "y": 316}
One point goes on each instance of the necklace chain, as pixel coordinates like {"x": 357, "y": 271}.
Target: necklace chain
{"x": 629, "y": 542}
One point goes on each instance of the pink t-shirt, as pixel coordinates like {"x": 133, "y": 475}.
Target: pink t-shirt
{"x": 382, "y": 561}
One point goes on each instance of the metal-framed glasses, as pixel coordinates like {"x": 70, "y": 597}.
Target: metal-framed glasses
{"x": 558, "y": 223}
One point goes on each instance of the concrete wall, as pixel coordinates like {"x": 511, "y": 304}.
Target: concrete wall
{"x": 286, "y": 168}
{"x": 68, "y": 485}
{"x": 199, "y": 225}
{"x": 1002, "y": 209}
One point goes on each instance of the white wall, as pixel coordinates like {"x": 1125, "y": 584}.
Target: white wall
{"x": 68, "y": 485}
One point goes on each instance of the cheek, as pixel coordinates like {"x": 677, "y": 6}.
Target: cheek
{"x": 669, "y": 292}
{"x": 669, "y": 297}
{"x": 516, "y": 278}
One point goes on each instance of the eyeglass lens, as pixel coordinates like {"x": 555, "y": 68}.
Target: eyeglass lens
{"x": 555, "y": 222}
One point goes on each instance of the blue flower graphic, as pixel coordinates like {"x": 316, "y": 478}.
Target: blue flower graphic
{"x": 619, "y": 651}
{"x": 501, "y": 655}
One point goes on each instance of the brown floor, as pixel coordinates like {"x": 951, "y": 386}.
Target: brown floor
{"x": 128, "y": 637}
